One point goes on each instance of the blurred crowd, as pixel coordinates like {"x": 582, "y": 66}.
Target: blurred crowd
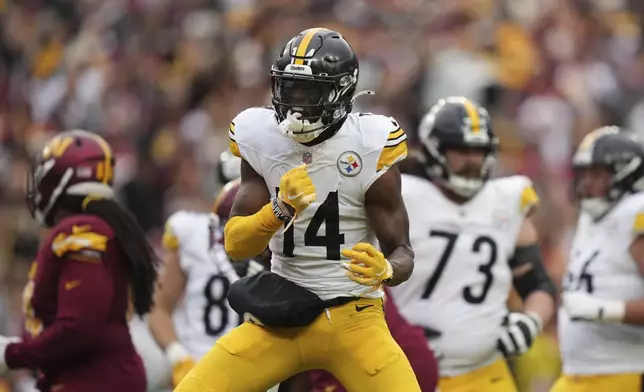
{"x": 161, "y": 80}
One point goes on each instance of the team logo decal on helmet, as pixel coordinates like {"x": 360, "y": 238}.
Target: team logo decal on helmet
{"x": 349, "y": 164}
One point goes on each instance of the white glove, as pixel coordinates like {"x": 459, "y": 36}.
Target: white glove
{"x": 4, "y": 342}
{"x": 582, "y": 306}
{"x": 519, "y": 332}
{"x": 254, "y": 268}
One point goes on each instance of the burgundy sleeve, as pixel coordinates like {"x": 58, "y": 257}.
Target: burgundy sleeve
{"x": 413, "y": 342}
{"x": 84, "y": 296}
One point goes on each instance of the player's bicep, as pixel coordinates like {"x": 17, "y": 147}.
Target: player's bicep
{"x": 527, "y": 241}
{"x": 528, "y": 234}
{"x": 252, "y": 194}
{"x": 386, "y": 211}
{"x": 636, "y": 248}
{"x": 637, "y": 252}
{"x": 172, "y": 283}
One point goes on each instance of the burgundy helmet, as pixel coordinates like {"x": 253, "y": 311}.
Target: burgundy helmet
{"x": 224, "y": 201}
{"x": 75, "y": 163}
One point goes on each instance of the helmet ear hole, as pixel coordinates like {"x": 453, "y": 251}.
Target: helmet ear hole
{"x": 78, "y": 142}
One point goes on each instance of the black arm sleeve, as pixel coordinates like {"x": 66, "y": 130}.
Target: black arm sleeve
{"x": 534, "y": 279}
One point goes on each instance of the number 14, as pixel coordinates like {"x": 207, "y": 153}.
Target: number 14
{"x": 329, "y": 213}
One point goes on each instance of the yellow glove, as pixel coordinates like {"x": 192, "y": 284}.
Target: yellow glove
{"x": 180, "y": 360}
{"x": 368, "y": 266}
{"x": 180, "y": 370}
{"x": 296, "y": 189}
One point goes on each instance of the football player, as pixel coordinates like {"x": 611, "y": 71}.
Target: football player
{"x": 191, "y": 311}
{"x": 319, "y": 185}
{"x": 474, "y": 239}
{"x": 601, "y": 322}
{"x": 92, "y": 270}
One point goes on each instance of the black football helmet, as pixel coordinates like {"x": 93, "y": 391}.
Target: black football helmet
{"x": 618, "y": 151}
{"x": 456, "y": 122}
{"x": 314, "y": 80}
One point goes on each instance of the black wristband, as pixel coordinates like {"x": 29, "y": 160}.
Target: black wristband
{"x": 277, "y": 210}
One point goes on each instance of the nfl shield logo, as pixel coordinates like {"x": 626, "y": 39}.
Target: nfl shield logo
{"x": 307, "y": 157}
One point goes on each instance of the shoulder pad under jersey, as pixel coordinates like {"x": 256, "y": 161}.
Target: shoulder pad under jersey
{"x": 517, "y": 190}
{"x": 383, "y": 134}
{"x": 82, "y": 233}
{"x": 632, "y": 210}
{"x": 245, "y": 126}
{"x": 181, "y": 226}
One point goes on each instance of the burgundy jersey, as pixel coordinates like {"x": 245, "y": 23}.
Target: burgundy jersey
{"x": 76, "y": 307}
{"x": 412, "y": 341}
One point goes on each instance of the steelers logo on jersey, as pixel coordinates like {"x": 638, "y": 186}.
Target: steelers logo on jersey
{"x": 349, "y": 164}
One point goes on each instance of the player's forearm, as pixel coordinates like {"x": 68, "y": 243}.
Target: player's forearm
{"x": 402, "y": 264}
{"x": 161, "y": 327}
{"x": 56, "y": 343}
{"x": 247, "y": 236}
{"x": 540, "y": 303}
{"x": 81, "y": 322}
{"x": 634, "y": 312}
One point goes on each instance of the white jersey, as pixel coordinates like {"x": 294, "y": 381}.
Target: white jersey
{"x": 342, "y": 169}
{"x": 601, "y": 265}
{"x": 462, "y": 279}
{"x": 203, "y": 314}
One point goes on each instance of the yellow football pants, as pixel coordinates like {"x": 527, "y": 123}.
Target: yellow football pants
{"x": 351, "y": 341}
{"x": 600, "y": 383}
{"x": 495, "y": 377}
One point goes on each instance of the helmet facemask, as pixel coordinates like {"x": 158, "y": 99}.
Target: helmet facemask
{"x": 39, "y": 205}
{"x": 620, "y": 170}
{"x": 306, "y": 105}
{"x": 465, "y": 186}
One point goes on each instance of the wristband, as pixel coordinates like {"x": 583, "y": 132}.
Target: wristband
{"x": 281, "y": 213}
{"x": 176, "y": 352}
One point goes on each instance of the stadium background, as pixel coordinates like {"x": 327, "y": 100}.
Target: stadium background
{"x": 161, "y": 79}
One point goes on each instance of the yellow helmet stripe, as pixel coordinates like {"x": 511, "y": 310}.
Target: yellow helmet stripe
{"x": 473, "y": 114}
{"x": 304, "y": 44}
{"x": 104, "y": 172}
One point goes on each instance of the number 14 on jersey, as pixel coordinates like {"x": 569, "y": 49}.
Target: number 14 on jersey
{"x": 328, "y": 213}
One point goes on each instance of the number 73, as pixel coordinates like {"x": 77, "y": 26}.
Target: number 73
{"x": 485, "y": 269}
